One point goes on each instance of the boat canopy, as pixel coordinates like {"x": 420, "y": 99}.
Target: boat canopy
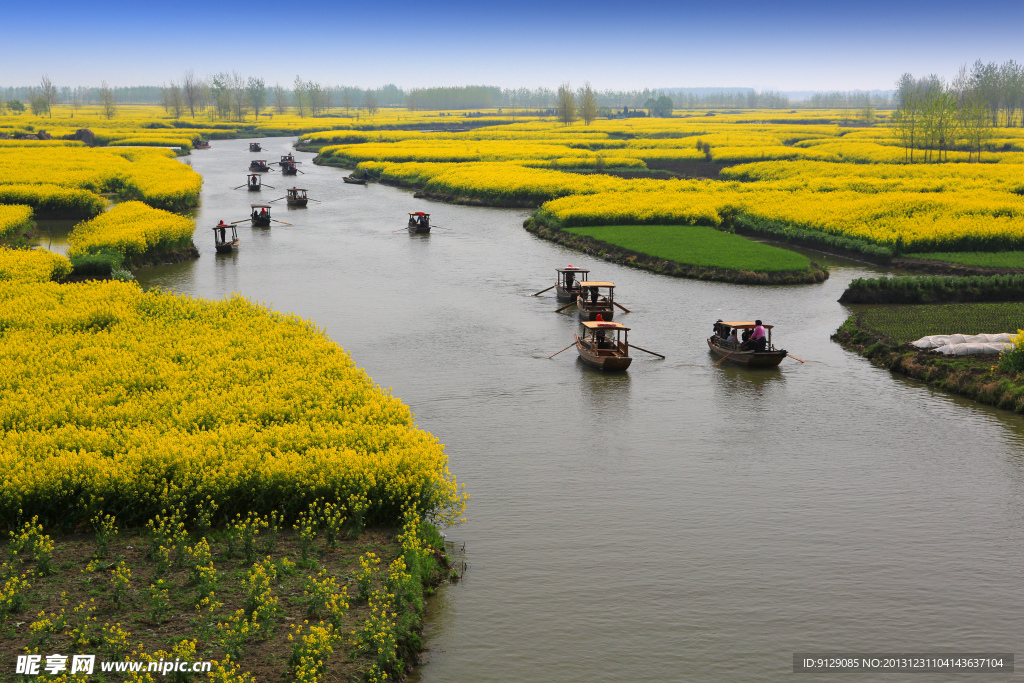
{"x": 587, "y": 283}
{"x": 603, "y": 325}
{"x": 743, "y": 325}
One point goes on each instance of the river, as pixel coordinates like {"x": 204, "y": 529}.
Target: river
{"x": 677, "y": 522}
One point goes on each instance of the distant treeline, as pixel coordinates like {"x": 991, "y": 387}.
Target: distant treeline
{"x": 315, "y": 98}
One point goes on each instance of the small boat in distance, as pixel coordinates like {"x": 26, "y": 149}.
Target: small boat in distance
{"x": 220, "y": 238}
{"x": 296, "y": 196}
{"x": 567, "y": 283}
{"x": 740, "y": 351}
{"x": 259, "y": 165}
{"x": 592, "y": 302}
{"x": 255, "y": 147}
{"x": 353, "y": 180}
{"x": 419, "y": 223}
{"x": 604, "y": 345}
{"x": 260, "y": 215}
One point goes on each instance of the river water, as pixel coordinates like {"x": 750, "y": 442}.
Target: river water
{"x": 677, "y": 522}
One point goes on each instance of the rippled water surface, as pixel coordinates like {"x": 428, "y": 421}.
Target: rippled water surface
{"x": 680, "y": 521}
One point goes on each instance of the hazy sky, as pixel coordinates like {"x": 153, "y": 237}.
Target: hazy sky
{"x": 620, "y": 45}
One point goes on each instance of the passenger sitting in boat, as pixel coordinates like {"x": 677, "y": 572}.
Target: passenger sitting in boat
{"x": 758, "y": 340}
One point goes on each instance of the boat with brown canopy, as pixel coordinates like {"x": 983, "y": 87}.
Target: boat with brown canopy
{"x": 596, "y": 298}
{"x": 736, "y": 349}
{"x": 221, "y": 242}
{"x": 296, "y": 196}
{"x": 567, "y": 282}
{"x": 604, "y": 345}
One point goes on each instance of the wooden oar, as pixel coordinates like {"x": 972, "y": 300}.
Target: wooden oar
{"x": 634, "y": 346}
{"x": 625, "y": 309}
{"x": 565, "y": 307}
{"x": 281, "y": 222}
{"x": 558, "y": 352}
{"x": 544, "y": 290}
{"x": 726, "y": 356}
{"x": 795, "y": 358}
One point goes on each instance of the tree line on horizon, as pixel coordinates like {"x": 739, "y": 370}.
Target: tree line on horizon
{"x": 232, "y": 96}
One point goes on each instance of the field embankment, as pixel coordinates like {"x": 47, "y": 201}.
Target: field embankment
{"x": 881, "y": 334}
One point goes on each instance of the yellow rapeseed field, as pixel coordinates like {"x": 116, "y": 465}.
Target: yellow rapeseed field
{"x": 132, "y": 229}
{"x": 32, "y": 265}
{"x": 146, "y": 400}
{"x": 781, "y": 169}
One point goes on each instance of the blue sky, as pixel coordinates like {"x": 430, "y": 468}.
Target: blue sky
{"x": 622, "y": 45}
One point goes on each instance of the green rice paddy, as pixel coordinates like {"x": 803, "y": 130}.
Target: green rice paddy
{"x": 998, "y": 259}
{"x": 698, "y": 245}
{"x": 907, "y": 323}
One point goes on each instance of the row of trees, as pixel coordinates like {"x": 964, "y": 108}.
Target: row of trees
{"x": 933, "y": 117}
{"x": 44, "y": 97}
{"x": 1000, "y": 87}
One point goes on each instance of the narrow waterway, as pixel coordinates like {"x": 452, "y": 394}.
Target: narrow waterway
{"x": 677, "y": 522}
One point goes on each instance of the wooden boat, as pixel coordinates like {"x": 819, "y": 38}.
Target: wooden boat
{"x": 255, "y": 147}
{"x": 201, "y": 144}
{"x": 260, "y": 165}
{"x": 591, "y": 302}
{"x": 604, "y": 345}
{"x": 260, "y": 215}
{"x": 419, "y": 223}
{"x": 296, "y": 196}
{"x": 220, "y": 238}
{"x": 567, "y": 282}
{"x": 255, "y": 182}
{"x": 720, "y": 346}
{"x": 354, "y": 181}
{"x": 289, "y": 168}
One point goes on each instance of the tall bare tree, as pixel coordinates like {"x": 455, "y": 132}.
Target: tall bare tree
{"x": 48, "y": 93}
{"x": 256, "y": 90}
{"x": 108, "y": 102}
{"x": 370, "y": 101}
{"x": 190, "y": 90}
{"x": 565, "y": 104}
{"x": 588, "y": 104}
{"x": 299, "y": 93}
{"x": 280, "y": 99}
